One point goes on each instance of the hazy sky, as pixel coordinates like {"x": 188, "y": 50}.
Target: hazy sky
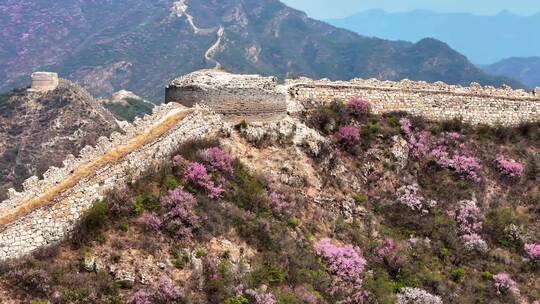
{"x": 341, "y": 8}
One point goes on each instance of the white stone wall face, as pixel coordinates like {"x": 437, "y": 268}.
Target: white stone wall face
{"x": 51, "y": 224}
{"x": 237, "y": 97}
{"x": 473, "y": 104}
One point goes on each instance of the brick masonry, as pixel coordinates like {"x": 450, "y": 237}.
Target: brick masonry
{"x": 438, "y": 101}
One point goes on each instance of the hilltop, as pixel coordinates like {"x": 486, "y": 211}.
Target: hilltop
{"x": 138, "y": 45}
{"x": 38, "y": 130}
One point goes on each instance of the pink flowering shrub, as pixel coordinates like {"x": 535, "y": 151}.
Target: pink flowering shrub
{"x": 346, "y": 263}
{"x": 409, "y": 196}
{"x": 166, "y": 292}
{"x": 406, "y": 126}
{"x": 469, "y": 226}
{"x": 305, "y": 295}
{"x": 179, "y": 161}
{"x": 533, "y": 251}
{"x": 388, "y": 253}
{"x": 278, "y": 204}
{"x": 466, "y": 165}
{"x": 180, "y": 216}
{"x": 419, "y": 144}
{"x": 348, "y": 136}
{"x": 359, "y": 107}
{"x": 387, "y": 248}
{"x": 256, "y": 297}
{"x": 218, "y": 159}
{"x": 468, "y": 218}
{"x": 197, "y": 174}
{"x": 150, "y": 220}
{"x": 509, "y": 167}
{"x": 505, "y": 284}
{"x": 446, "y": 150}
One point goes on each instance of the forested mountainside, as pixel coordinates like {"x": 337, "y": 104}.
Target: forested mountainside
{"x": 138, "y": 45}
{"x": 524, "y": 69}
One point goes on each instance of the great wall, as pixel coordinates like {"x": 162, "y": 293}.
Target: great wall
{"x": 202, "y": 104}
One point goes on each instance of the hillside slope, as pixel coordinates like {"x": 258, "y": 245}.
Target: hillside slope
{"x": 332, "y": 205}
{"x": 483, "y": 39}
{"x": 38, "y": 130}
{"x": 137, "y": 45}
{"x": 524, "y": 69}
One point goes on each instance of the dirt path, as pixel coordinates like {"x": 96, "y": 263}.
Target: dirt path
{"x": 211, "y": 52}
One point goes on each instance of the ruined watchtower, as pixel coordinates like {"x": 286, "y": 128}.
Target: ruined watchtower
{"x": 237, "y": 97}
{"x": 44, "y": 81}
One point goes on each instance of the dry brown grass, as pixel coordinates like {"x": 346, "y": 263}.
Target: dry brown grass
{"x": 86, "y": 171}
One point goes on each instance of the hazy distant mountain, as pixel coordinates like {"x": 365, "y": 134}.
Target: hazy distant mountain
{"x": 483, "y": 39}
{"x": 526, "y": 70}
{"x": 139, "y": 44}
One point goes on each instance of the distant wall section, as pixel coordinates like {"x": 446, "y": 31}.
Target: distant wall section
{"x": 438, "y": 101}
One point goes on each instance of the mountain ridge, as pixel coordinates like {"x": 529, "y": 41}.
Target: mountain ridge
{"x": 524, "y": 69}
{"x": 482, "y": 38}
{"x": 106, "y": 47}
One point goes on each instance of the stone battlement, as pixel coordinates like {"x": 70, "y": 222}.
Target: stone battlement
{"x": 434, "y": 101}
{"x": 237, "y": 97}
{"x": 44, "y": 81}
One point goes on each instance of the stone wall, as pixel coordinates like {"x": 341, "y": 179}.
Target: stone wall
{"x": 44, "y": 81}
{"x": 237, "y": 97}
{"x": 47, "y": 210}
{"x": 438, "y": 101}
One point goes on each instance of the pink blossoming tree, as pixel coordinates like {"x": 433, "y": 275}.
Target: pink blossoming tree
{"x": 532, "y": 251}
{"x": 346, "y": 263}
{"x": 348, "y": 136}
{"x": 505, "y": 284}
{"x": 180, "y": 215}
{"x": 509, "y": 167}
{"x": 197, "y": 174}
{"x": 218, "y": 159}
{"x": 359, "y": 107}
{"x": 469, "y": 225}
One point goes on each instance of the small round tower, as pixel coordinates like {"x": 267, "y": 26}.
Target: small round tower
{"x": 44, "y": 81}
